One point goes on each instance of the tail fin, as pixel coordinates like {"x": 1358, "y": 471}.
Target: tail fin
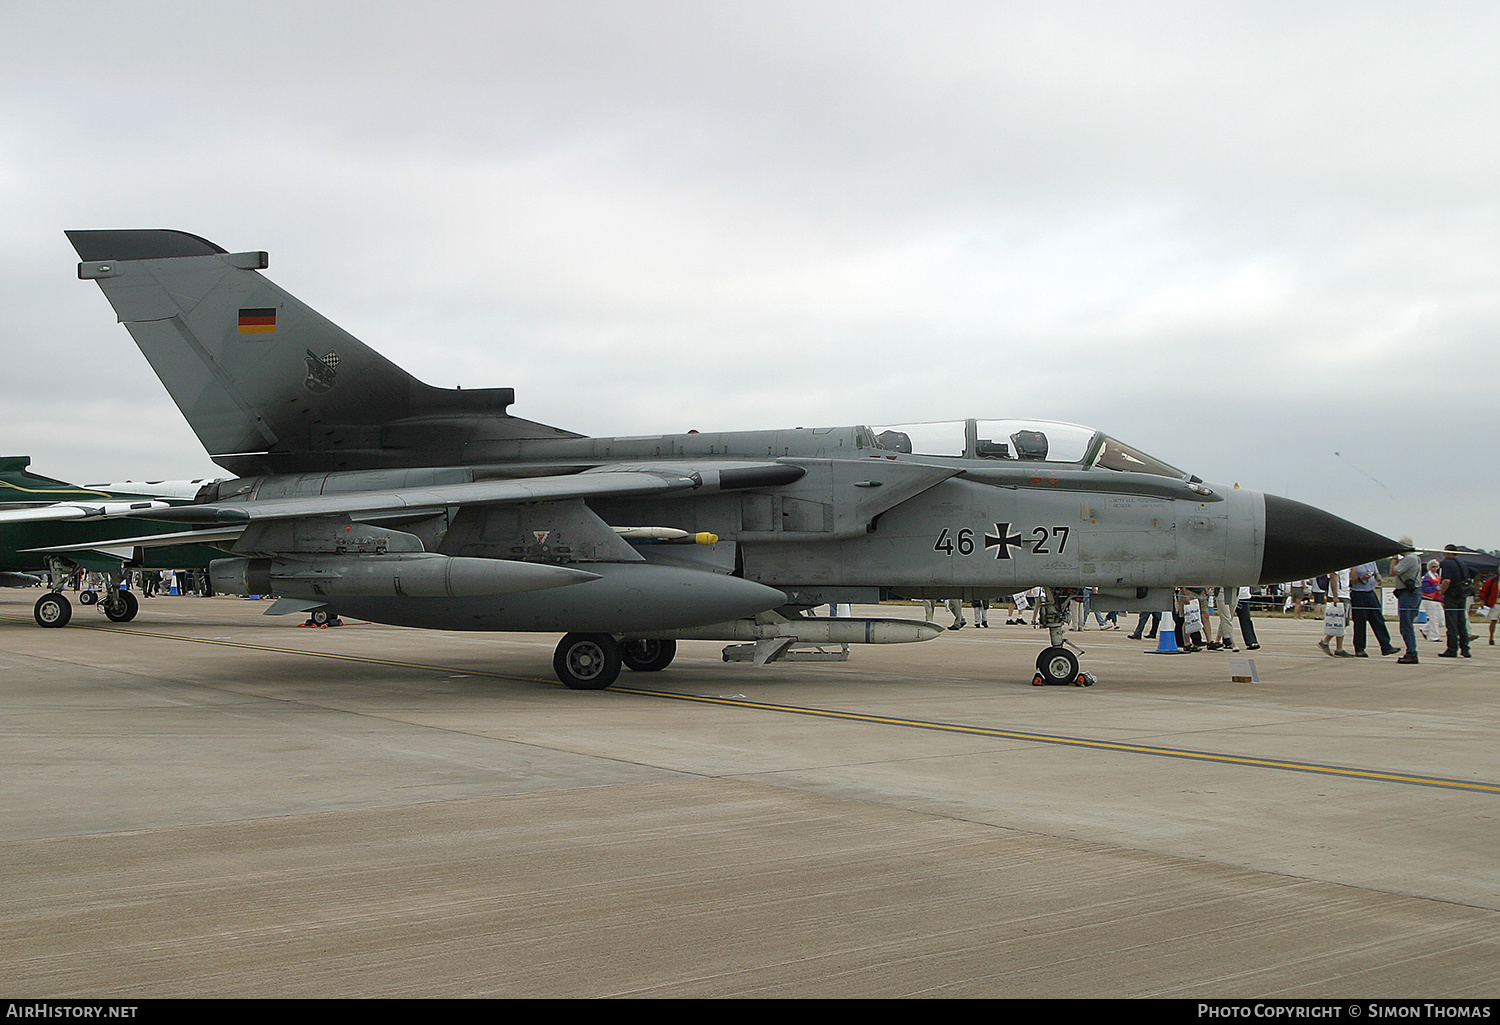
{"x": 267, "y": 383}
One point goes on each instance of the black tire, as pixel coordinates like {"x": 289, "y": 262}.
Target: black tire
{"x": 320, "y": 617}
{"x": 648, "y": 656}
{"x": 125, "y": 611}
{"x": 587, "y": 661}
{"x": 52, "y": 610}
{"x": 87, "y": 598}
{"x": 1058, "y": 666}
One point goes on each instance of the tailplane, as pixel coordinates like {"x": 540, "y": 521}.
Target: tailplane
{"x": 267, "y": 383}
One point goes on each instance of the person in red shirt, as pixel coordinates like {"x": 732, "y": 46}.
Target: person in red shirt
{"x": 1487, "y": 597}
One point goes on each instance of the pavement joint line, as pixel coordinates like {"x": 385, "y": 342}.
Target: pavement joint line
{"x": 1313, "y": 768}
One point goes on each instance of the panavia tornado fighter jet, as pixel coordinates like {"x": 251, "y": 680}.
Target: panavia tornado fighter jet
{"x": 363, "y": 491}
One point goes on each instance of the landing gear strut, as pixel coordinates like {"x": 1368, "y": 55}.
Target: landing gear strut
{"x": 1056, "y": 666}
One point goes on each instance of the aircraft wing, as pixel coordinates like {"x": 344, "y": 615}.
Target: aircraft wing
{"x": 62, "y": 511}
{"x": 415, "y": 500}
{"x": 204, "y": 536}
{"x": 602, "y": 483}
{"x": 224, "y": 521}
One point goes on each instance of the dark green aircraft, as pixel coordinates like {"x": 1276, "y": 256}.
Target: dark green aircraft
{"x": 41, "y": 513}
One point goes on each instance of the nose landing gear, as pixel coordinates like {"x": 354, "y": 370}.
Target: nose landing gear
{"x": 1056, "y": 666}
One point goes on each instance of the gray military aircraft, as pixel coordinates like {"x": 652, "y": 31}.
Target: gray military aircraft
{"x": 364, "y": 490}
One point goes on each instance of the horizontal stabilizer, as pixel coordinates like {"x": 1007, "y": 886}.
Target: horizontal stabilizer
{"x": 140, "y": 244}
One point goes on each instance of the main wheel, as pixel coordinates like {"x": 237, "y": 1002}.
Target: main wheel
{"x": 52, "y": 609}
{"x": 1058, "y": 666}
{"x": 125, "y": 610}
{"x": 587, "y": 661}
{"x": 649, "y": 656}
{"x": 88, "y": 597}
{"x": 320, "y": 617}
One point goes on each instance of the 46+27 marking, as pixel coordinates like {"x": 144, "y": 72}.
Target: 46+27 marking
{"x": 961, "y": 542}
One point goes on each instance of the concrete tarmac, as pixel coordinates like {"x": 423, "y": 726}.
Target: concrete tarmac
{"x": 208, "y": 802}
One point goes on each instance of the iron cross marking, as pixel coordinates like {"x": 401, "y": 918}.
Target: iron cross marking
{"x": 1002, "y": 540}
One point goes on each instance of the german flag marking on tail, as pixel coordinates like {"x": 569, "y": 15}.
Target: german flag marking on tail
{"x": 258, "y": 322}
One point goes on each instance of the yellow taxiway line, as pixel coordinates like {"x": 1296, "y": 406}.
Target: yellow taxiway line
{"x": 882, "y": 720}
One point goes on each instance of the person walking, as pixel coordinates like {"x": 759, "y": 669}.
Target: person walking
{"x": 1154, "y": 618}
{"x": 1335, "y": 614}
{"x": 1242, "y": 614}
{"x": 956, "y": 608}
{"x": 1431, "y": 605}
{"x": 1407, "y": 569}
{"x": 1364, "y": 602}
{"x": 1489, "y": 597}
{"x": 1455, "y": 589}
{"x": 982, "y": 613}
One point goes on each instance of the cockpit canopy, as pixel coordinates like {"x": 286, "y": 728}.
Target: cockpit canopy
{"x": 1027, "y": 441}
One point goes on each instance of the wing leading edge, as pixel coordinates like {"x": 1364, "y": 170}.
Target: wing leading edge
{"x": 416, "y": 500}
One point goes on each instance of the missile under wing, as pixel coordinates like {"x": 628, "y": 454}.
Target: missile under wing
{"x": 361, "y": 488}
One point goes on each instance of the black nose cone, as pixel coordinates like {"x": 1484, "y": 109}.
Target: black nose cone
{"x": 1302, "y": 542}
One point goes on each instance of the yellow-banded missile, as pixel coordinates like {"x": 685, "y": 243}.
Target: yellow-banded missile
{"x": 667, "y": 535}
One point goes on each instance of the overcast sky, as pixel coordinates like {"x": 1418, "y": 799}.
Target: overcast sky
{"x": 1257, "y": 240}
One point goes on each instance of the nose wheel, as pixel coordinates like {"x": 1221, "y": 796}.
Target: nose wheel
{"x": 1056, "y": 666}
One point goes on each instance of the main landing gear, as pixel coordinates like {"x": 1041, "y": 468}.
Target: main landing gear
{"x": 587, "y": 661}
{"x": 648, "y": 656}
{"x": 120, "y": 606}
{"x": 1056, "y": 666}
{"x": 52, "y": 610}
{"x": 593, "y": 661}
